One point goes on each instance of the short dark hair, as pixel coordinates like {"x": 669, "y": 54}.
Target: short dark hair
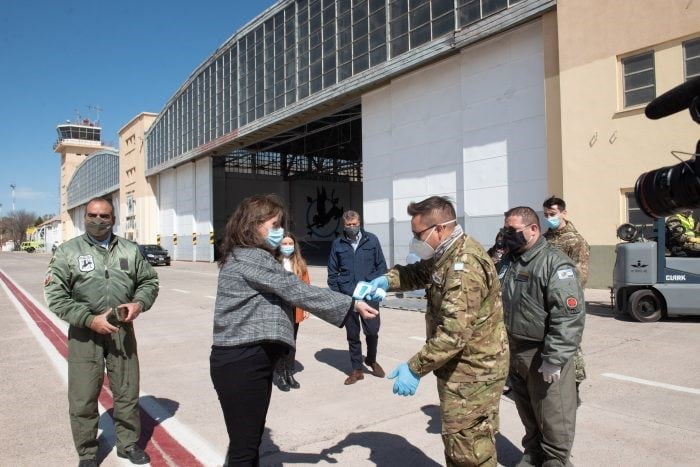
{"x": 552, "y": 201}
{"x": 435, "y": 209}
{"x": 242, "y": 227}
{"x": 528, "y": 215}
{"x": 100, "y": 199}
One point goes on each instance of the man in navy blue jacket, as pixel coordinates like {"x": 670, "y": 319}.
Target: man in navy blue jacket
{"x": 356, "y": 256}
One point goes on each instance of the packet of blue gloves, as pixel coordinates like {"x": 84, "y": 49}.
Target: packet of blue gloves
{"x": 363, "y": 289}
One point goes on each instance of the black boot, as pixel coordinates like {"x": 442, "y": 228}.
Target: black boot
{"x": 293, "y": 383}
{"x": 280, "y": 381}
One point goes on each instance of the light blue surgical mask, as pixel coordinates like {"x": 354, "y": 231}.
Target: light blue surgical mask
{"x": 553, "y": 222}
{"x": 275, "y": 236}
{"x": 287, "y": 250}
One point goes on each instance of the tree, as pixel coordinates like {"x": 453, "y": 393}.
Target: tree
{"x": 16, "y": 225}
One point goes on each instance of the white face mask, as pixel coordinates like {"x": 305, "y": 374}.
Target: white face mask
{"x": 421, "y": 247}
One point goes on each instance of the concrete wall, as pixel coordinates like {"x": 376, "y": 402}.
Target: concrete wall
{"x": 471, "y": 127}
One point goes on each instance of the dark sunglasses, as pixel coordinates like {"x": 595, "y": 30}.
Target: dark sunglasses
{"x": 512, "y": 231}
{"x": 93, "y": 215}
{"x": 417, "y": 235}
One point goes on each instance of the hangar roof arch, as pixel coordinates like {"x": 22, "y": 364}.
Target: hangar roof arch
{"x": 301, "y": 58}
{"x": 98, "y": 175}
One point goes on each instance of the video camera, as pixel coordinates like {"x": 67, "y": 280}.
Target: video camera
{"x": 662, "y": 192}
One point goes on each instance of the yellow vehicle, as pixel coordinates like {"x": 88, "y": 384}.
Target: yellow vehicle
{"x": 31, "y": 246}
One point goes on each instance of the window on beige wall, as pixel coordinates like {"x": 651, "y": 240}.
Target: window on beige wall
{"x": 635, "y": 215}
{"x": 639, "y": 83}
{"x": 691, "y": 58}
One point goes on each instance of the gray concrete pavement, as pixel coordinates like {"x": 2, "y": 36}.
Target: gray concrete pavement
{"x": 620, "y": 422}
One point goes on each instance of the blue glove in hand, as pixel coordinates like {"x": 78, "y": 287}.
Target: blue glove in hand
{"x": 407, "y": 381}
{"x": 379, "y": 287}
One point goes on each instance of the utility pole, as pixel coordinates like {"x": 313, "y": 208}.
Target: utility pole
{"x": 13, "y": 186}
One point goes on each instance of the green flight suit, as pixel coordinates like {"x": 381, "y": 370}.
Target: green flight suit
{"x": 544, "y": 311}
{"x": 466, "y": 346}
{"x": 83, "y": 280}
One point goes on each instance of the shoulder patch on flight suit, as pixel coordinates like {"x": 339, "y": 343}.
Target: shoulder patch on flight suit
{"x": 459, "y": 267}
{"x": 124, "y": 264}
{"x": 571, "y": 302}
{"x": 567, "y": 273}
{"x": 523, "y": 276}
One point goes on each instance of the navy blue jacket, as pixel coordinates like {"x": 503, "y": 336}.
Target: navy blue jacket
{"x": 347, "y": 267}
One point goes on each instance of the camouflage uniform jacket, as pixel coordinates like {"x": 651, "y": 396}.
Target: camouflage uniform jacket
{"x": 568, "y": 240}
{"x": 466, "y": 338}
{"x": 543, "y": 302}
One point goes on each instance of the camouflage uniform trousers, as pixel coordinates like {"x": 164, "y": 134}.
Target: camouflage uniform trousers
{"x": 470, "y": 421}
{"x": 579, "y": 365}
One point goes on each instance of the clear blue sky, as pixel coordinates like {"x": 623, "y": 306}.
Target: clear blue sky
{"x": 58, "y": 58}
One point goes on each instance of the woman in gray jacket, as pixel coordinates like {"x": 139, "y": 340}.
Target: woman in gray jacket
{"x": 254, "y": 321}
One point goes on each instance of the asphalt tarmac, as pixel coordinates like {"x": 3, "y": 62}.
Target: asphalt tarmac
{"x": 641, "y": 401}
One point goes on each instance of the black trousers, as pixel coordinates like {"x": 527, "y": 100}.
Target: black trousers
{"x": 286, "y": 362}
{"x": 371, "y": 330}
{"x": 242, "y": 378}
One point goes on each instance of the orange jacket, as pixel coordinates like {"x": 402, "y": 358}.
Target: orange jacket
{"x": 298, "y": 312}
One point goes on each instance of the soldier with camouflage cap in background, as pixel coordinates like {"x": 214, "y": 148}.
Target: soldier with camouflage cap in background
{"x": 563, "y": 235}
{"x": 467, "y": 344}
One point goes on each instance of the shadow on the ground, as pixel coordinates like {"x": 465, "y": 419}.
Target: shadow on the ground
{"x": 385, "y": 449}
{"x": 338, "y": 359}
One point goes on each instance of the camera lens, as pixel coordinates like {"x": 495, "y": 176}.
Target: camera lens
{"x": 667, "y": 190}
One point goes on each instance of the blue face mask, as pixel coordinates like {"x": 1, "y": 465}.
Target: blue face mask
{"x": 553, "y": 222}
{"x": 274, "y": 237}
{"x": 287, "y": 250}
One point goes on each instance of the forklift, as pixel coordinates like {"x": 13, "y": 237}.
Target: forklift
{"x": 649, "y": 285}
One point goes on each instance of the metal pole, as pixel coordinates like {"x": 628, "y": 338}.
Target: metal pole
{"x": 13, "y": 186}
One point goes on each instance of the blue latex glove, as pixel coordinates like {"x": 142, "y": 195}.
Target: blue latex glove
{"x": 406, "y": 381}
{"x": 378, "y": 283}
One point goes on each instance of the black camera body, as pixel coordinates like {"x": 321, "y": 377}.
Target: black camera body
{"x": 667, "y": 190}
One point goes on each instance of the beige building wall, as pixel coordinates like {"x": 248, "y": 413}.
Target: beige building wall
{"x": 139, "y": 210}
{"x": 605, "y": 146}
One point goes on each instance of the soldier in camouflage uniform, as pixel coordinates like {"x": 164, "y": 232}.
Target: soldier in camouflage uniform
{"x": 681, "y": 234}
{"x": 563, "y": 235}
{"x": 466, "y": 345}
{"x": 544, "y": 313}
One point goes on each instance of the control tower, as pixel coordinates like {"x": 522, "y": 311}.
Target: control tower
{"x": 76, "y": 141}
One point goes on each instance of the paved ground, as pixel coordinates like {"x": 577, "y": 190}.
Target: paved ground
{"x": 651, "y": 420}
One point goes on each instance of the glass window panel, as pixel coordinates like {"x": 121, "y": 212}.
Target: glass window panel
{"x": 691, "y": 52}
{"x": 692, "y": 68}
{"x": 329, "y": 63}
{"x": 399, "y": 27}
{"x": 359, "y": 10}
{"x": 344, "y": 54}
{"x": 377, "y": 56}
{"x": 399, "y": 45}
{"x": 344, "y": 20}
{"x": 418, "y": 14}
{"x": 375, "y": 5}
{"x": 360, "y": 63}
{"x": 315, "y": 23}
{"x": 377, "y": 38}
{"x": 377, "y": 20}
{"x": 469, "y": 12}
{"x": 344, "y": 71}
{"x": 639, "y": 96}
{"x": 315, "y": 54}
{"x": 443, "y": 25}
{"x": 639, "y": 80}
{"x": 492, "y": 6}
{"x": 315, "y": 85}
{"x": 343, "y": 5}
{"x": 344, "y": 37}
{"x": 316, "y": 69}
{"x": 398, "y": 8}
{"x": 440, "y": 7}
{"x": 359, "y": 28}
{"x": 329, "y": 78}
{"x": 639, "y": 63}
{"x": 359, "y": 47}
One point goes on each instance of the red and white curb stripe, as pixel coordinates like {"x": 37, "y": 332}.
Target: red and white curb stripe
{"x": 171, "y": 443}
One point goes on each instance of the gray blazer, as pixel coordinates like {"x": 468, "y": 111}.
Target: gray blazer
{"x": 255, "y": 300}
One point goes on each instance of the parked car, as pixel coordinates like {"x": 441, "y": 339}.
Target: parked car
{"x": 155, "y": 254}
{"x": 31, "y": 246}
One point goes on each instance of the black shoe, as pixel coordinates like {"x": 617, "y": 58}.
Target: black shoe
{"x": 280, "y": 381}
{"x": 87, "y": 463}
{"x": 293, "y": 383}
{"x": 135, "y": 454}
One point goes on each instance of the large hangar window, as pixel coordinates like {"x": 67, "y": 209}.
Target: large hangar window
{"x": 297, "y": 50}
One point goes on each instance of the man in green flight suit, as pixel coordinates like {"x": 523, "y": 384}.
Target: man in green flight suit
{"x": 100, "y": 283}
{"x": 466, "y": 345}
{"x": 544, "y": 312}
